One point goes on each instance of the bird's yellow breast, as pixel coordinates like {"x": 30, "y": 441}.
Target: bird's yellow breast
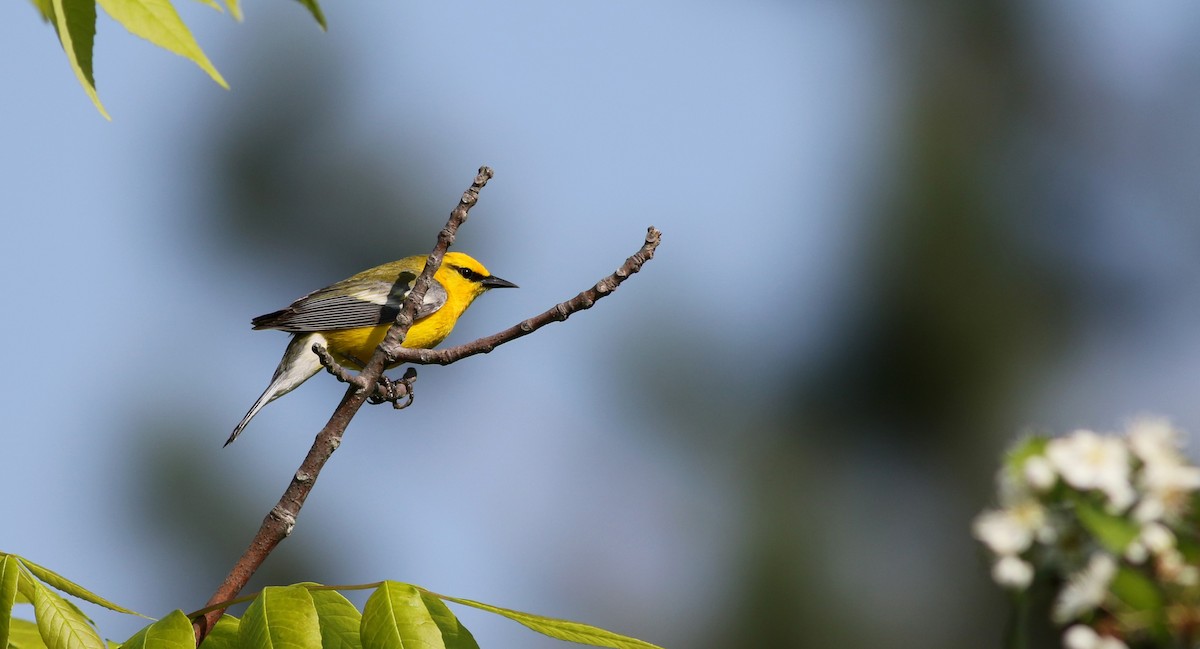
{"x": 355, "y": 346}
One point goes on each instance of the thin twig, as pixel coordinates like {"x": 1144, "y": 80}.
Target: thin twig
{"x": 279, "y": 522}
{"x": 557, "y": 313}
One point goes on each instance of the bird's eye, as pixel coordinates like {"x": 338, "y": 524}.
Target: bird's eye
{"x": 468, "y": 274}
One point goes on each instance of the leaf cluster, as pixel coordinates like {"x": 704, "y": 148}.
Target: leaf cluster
{"x": 154, "y": 20}
{"x": 301, "y": 616}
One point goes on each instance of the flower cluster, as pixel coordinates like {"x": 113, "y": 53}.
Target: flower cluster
{"x": 1108, "y": 521}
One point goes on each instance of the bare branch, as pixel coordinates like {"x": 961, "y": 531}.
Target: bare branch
{"x": 279, "y": 522}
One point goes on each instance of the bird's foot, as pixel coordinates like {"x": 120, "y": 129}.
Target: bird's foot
{"x": 398, "y": 392}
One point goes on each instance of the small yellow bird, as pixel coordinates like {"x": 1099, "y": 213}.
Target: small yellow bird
{"x": 350, "y": 318}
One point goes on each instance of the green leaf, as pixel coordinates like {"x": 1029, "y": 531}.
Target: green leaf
{"x": 23, "y": 634}
{"x": 315, "y": 10}
{"x": 45, "y": 9}
{"x": 455, "y": 635}
{"x": 561, "y": 629}
{"x": 1136, "y": 590}
{"x": 339, "y": 620}
{"x": 281, "y": 617}
{"x": 1113, "y": 532}
{"x": 9, "y": 572}
{"x": 71, "y": 588}
{"x": 212, "y": 3}
{"x": 172, "y": 632}
{"x": 398, "y": 616}
{"x": 75, "y": 21}
{"x": 1141, "y": 595}
{"x": 25, "y": 587}
{"x": 224, "y": 634}
{"x": 60, "y": 624}
{"x": 157, "y": 22}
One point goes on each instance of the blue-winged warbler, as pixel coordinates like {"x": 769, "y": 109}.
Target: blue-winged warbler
{"x": 350, "y": 318}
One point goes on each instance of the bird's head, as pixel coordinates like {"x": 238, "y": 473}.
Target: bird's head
{"x": 461, "y": 273}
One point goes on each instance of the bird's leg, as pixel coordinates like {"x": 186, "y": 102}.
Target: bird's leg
{"x": 386, "y": 390}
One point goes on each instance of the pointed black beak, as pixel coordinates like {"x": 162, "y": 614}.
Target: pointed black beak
{"x": 496, "y": 282}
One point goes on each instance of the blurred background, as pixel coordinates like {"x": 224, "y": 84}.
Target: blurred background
{"x": 895, "y": 236}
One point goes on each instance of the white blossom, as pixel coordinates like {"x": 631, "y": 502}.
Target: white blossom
{"x": 1085, "y": 637}
{"x": 1086, "y": 461}
{"x": 1166, "y": 479}
{"x": 1039, "y": 473}
{"x": 1086, "y": 589}
{"x": 1012, "y": 572}
{"x": 1173, "y": 567}
{"x": 1080, "y": 636}
{"x": 1010, "y": 531}
{"x": 1040, "y": 527}
{"x": 1154, "y": 439}
{"x": 1136, "y": 552}
{"x": 1167, "y": 485}
{"x": 1158, "y": 538}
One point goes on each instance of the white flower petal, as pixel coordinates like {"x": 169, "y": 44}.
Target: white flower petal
{"x": 1003, "y": 532}
{"x": 1080, "y": 636}
{"x": 1157, "y": 538}
{"x": 1011, "y": 572}
{"x": 1086, "y": 589}
{"x": 1039, "y": 473}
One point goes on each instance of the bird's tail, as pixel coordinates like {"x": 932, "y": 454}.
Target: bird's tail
{"x": 298, "y": 364}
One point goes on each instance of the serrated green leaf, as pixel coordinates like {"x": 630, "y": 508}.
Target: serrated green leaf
{"x": 315, "y": 10}
{"x": 45, "y": 9}
{"x": 561, "y": 629}
{"x": 23, "y": 634}
{"x": 339, "y": 620}
{"x": 224, "y": 634}
{"x": 71, "y": 588}
{"x": 75, "y": 21}
{"x": 60, "y": 623}
{"x": 1113, "y": 532}
{"x": 9, "y": 572}
{"x": 281, "y": 617}
{"x": 235, "y": 9}
{"x": 398, "y": 616}
{"x": 171, "y": 632}
{"x": 157, "y": 22}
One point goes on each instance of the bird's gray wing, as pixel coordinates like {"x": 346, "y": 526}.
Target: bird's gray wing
{"x": 351, "y": 305}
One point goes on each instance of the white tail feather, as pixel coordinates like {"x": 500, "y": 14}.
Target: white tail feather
{"x": 298, "y": 364}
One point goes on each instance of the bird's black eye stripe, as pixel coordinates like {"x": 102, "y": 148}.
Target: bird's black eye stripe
{"x": 468, "y": 274}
